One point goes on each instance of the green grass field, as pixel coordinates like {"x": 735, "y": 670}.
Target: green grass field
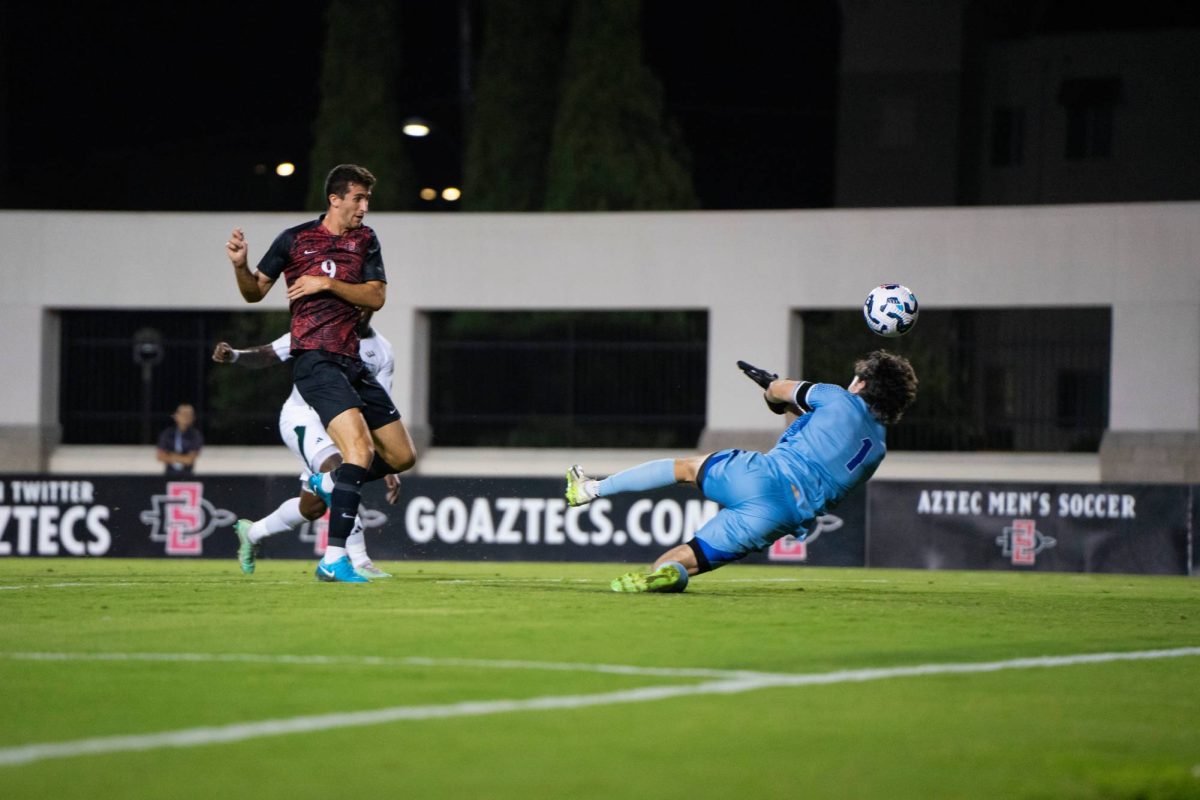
{"x": 261, "y": 686}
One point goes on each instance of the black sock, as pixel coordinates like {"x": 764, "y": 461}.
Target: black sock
{"x": 344, "y": 500}
{"x": 378, "y": 469}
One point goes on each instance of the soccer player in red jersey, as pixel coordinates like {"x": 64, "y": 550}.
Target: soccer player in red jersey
{"x": 333, "y": 268}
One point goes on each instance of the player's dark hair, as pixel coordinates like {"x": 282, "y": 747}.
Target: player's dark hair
{"x": 340, "y": 177}
{"x": 891, "y": 385}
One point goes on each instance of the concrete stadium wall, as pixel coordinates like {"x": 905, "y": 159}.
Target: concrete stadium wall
{"x": 750, "y": 270}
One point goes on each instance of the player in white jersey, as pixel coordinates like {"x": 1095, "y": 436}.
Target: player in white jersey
{"x": 301, "y": 430}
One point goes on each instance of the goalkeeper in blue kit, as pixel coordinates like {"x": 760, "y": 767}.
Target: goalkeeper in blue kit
{"x": 835, "y": 444}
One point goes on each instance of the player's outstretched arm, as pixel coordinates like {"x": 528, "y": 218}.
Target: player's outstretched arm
{"x": 782, "y": 392}
{"x": 253, "y": 285}
{"x": 263, "y": 355}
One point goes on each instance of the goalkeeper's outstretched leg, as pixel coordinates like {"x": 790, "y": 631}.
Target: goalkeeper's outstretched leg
{"x": 583, "y": 489}
{"x": 731, "y": 477}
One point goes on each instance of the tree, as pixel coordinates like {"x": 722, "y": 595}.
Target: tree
{"x": 612, "y": 146}
{"x": 358, "y": 121}
{"x": 515, "y": 100}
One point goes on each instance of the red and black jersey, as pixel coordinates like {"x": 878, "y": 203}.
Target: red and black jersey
{"x": 324, "y": 321}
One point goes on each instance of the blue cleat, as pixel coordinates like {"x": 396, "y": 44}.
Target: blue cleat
{"x": 314, "y": 483}
{"x": 340, "y": 571}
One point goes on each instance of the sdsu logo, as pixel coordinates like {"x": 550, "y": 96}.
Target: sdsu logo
{"x": 790, "y": 548}
{"x": 1023, "y": 541}
{"x": 182, "y": 518}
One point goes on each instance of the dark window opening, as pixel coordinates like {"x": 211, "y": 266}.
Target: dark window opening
{"x": 124, "y": 372}
{"x": 1090, "y": 104}
{"x": 568, "y": 379}
{"x": 1082, "y": 398}
{"x": 1008, "y": 136}
{"x": 1029, "y": 379}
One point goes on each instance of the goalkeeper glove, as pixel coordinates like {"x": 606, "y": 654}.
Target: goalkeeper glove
{"x": 763, "y": 379}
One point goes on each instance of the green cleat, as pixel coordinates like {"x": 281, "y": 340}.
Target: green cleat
{"x": 247, "y": 550}
{"x": 369, "y": 570}
{"x": 667, "y": 578}
{"x": 629, "y": 582}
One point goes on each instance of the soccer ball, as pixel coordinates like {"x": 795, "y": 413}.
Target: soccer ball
{"x": 890, "y": 310}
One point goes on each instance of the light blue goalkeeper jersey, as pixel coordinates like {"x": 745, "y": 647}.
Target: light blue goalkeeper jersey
{"x": 828, "y": 451}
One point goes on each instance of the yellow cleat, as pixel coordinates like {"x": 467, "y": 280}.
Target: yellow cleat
{"x": 670, "y": 577}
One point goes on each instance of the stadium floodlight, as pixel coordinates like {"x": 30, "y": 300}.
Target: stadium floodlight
{"x": 451, "y": 193}
{"x": 285, "y": 169}
{"x": 428, "y": 193}
{"x": 416, "y": 127}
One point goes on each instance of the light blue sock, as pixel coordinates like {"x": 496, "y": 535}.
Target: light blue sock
{"x": 650, "y": 475}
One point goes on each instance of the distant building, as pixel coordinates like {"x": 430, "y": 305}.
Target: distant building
{"x": 942, "y": 103}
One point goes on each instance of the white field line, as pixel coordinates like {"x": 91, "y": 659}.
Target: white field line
{"x": 515, "y": 580}
{"x": 73, "y": 584}
{"x": 193, "y": 737}
{"x": 46, "y": 586}
{"x": 712, "y": 581}
{"x": 798, "y": 580}
{"x": 477, "y": 581}
{"x": 405, "y": 661}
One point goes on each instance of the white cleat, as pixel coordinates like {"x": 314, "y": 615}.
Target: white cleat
{"x": 581, "y": 489}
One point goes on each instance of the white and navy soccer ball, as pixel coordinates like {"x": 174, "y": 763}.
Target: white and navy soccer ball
{"x": 890, "y": 310}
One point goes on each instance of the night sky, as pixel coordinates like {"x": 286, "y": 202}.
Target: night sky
{"x": 171, "y": 105}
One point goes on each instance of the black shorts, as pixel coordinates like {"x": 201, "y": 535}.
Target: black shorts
{"x": 332, "y": 383}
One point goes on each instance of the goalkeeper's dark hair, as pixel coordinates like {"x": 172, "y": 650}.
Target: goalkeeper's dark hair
{"x": 891, "y": 385}
{"x": 340, "y": 177}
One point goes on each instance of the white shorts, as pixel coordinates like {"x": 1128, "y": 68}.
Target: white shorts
{"x": 302, "y": 432}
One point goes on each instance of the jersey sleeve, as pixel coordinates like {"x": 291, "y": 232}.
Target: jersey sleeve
{"x": 811, "y": 396}
{"x": 387, "y": 365}
{"x": 373, "y": 261}
{"x": 386, "y": 372}
{"x": 283, "y": 347}
{"x": 276, "y": 258}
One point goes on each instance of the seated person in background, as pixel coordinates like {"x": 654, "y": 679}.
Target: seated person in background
{"x": 179, "y": 445}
